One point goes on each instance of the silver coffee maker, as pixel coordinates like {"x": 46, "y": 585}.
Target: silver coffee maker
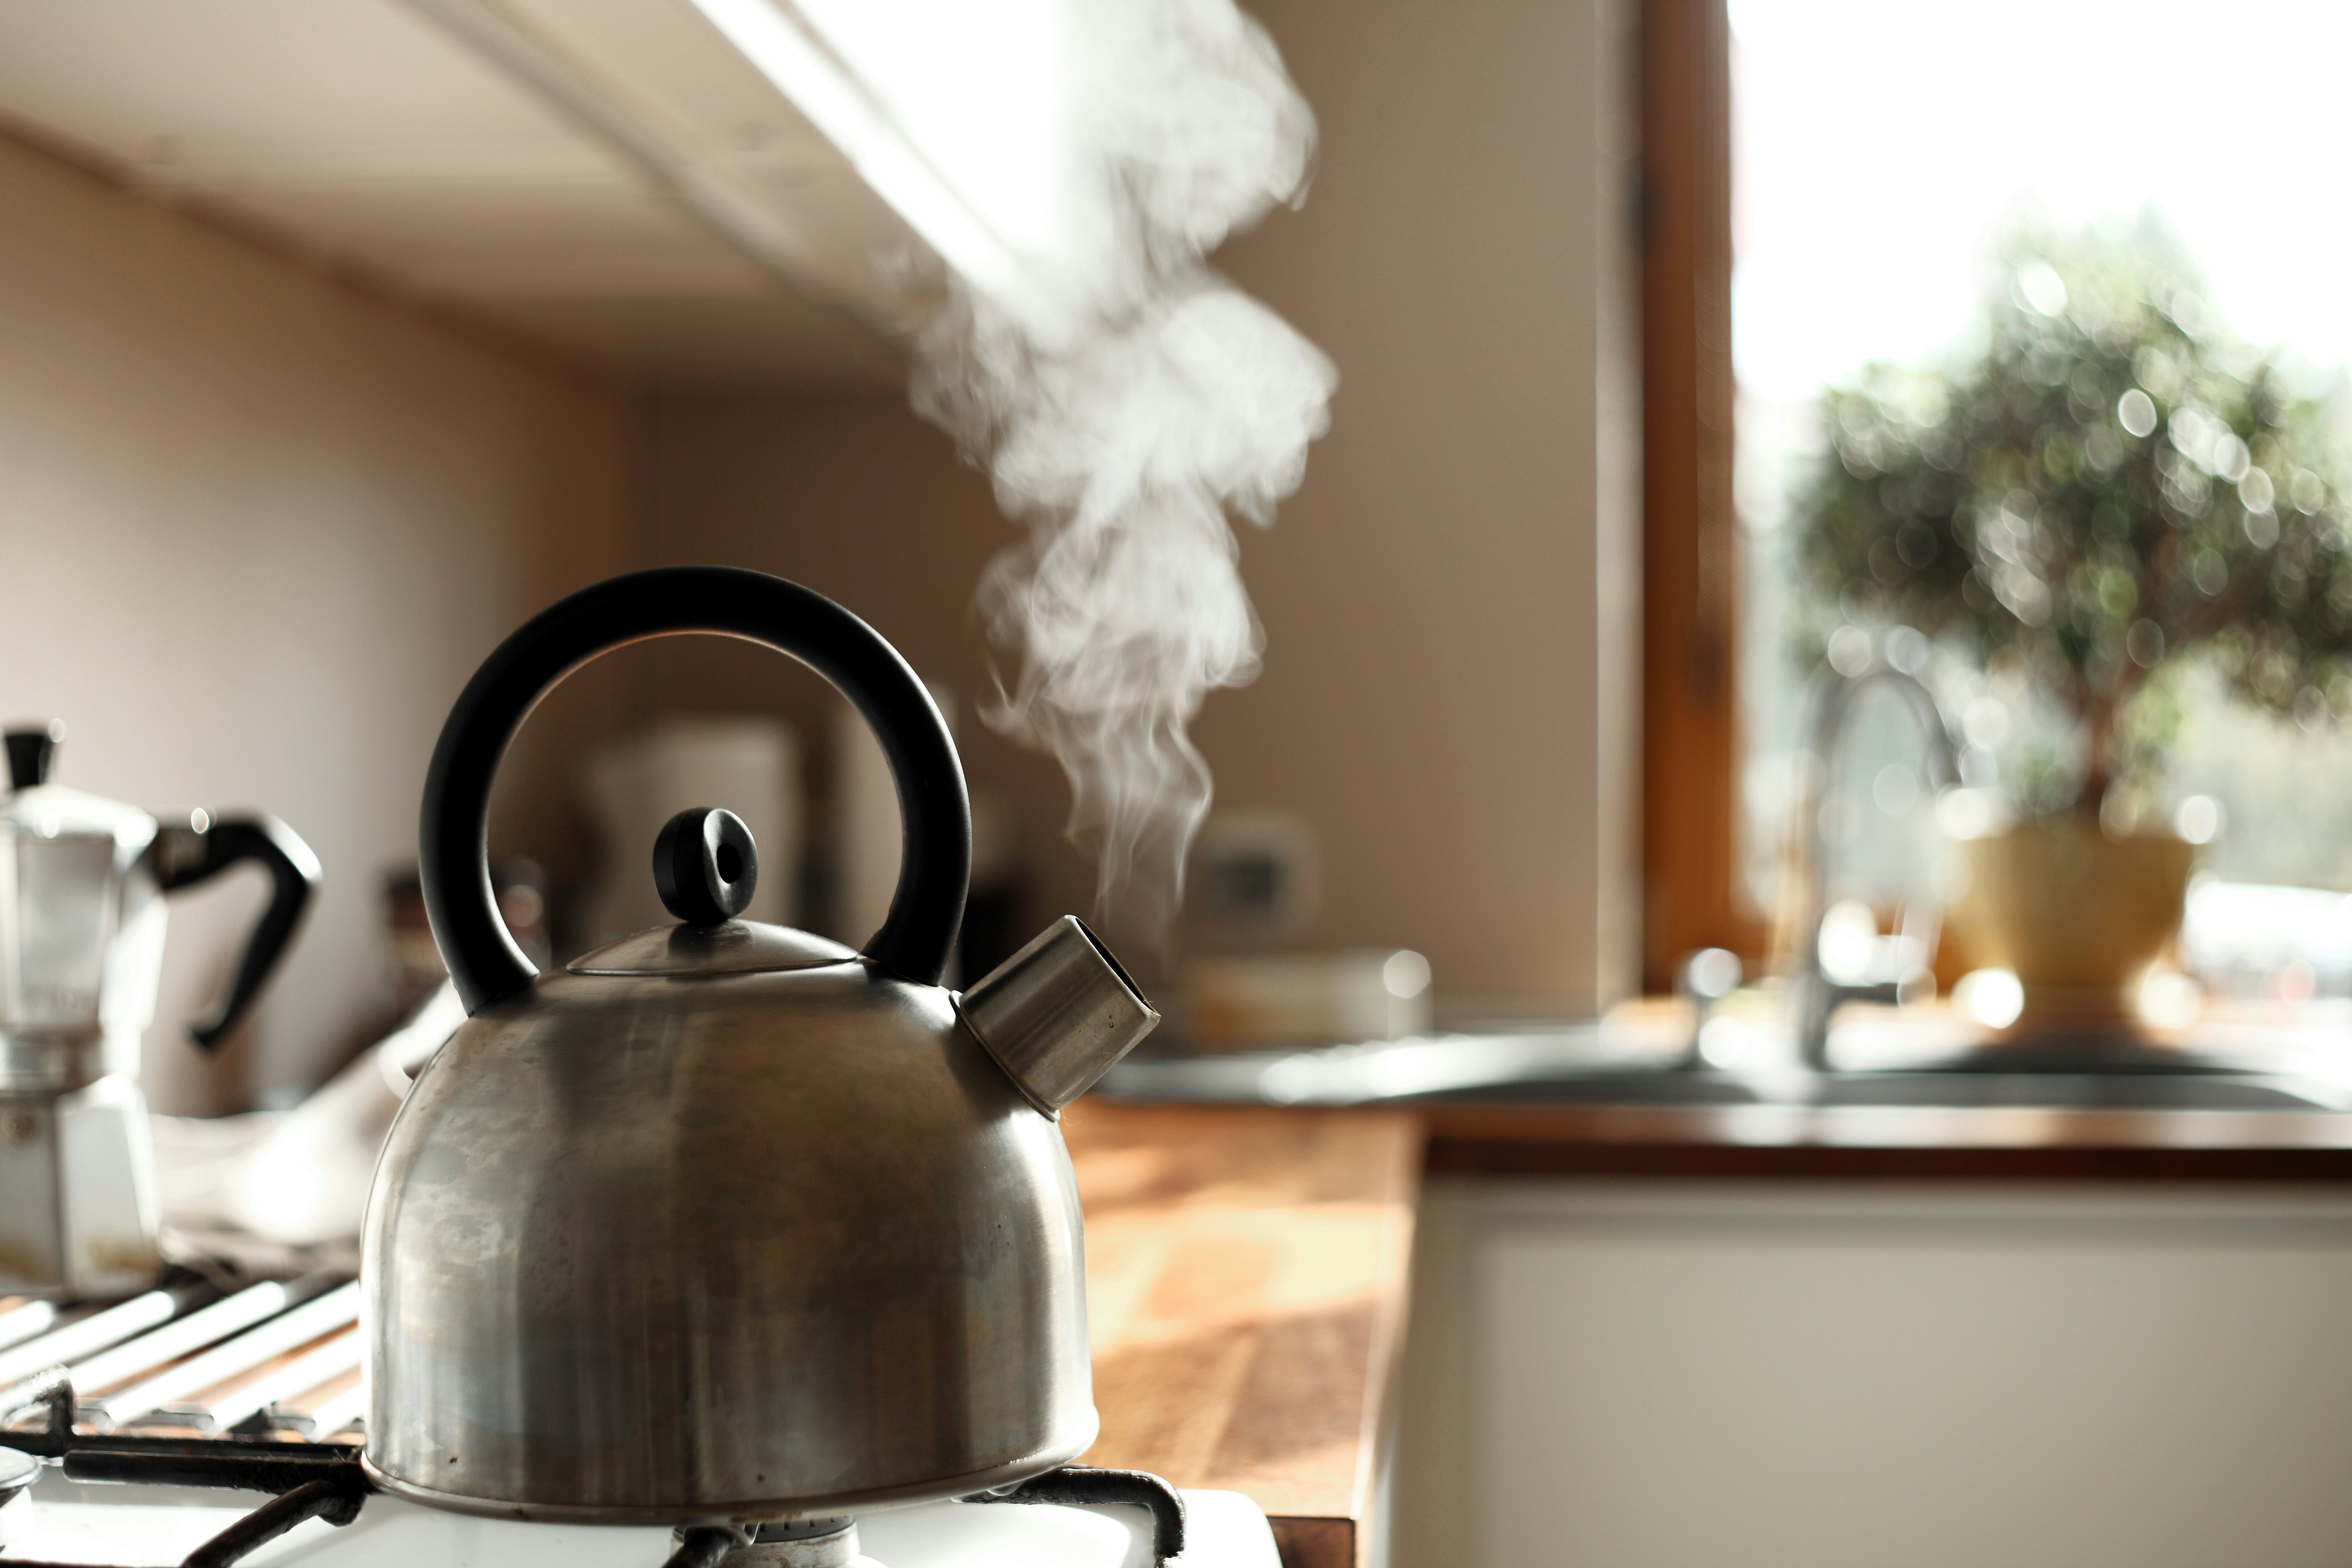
{"x": 82, "y": 884}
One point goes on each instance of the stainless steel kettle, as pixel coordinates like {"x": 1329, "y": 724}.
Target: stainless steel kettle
{"x": 725, "y": 1222}
{"x": 83, "y": 886}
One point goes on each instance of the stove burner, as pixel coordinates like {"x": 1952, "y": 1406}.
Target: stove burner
{"x": 808, "y": 1544}
{"x": 323, "y": 1481}
{"x": 18, "y": 1473}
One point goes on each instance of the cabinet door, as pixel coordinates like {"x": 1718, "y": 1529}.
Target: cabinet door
{"x": 1631, "y": 1376}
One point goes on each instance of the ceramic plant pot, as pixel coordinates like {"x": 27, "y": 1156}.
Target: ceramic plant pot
{"x": 2076, "y": 914}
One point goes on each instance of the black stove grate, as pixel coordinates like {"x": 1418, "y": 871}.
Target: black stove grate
{"x": 305, "y": 1480}
{"x": 1085, "y": 1485}
{"x": 318, "y": 1481}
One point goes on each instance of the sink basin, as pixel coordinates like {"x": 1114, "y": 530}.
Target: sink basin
{"x": 1578, "y": 1066}
{"x": 2079, "y": 1092}
{"x": 1955, "y": 1090}
{"x": 1635, "y": 1086}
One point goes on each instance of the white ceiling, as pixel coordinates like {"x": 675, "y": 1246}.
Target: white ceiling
{"x": 607, "y": 178}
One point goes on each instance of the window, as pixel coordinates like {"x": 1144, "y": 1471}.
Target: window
{"x": 1830, "y": 184}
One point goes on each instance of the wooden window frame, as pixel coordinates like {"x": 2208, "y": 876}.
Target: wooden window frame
{"x": 1690, "y": 675}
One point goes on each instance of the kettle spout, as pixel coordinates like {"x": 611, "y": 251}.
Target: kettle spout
{"x": 1057, "y": 1014}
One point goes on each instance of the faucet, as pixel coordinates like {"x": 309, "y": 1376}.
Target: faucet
{"x": 1831, "y": 707}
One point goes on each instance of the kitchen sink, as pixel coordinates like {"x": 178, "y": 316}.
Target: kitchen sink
{"x": 1956, "y": 1089}
{"x": 2081, "y": 1092}
{"x": 1637, "y": 1087}
{"x": 1582, "y": 1066}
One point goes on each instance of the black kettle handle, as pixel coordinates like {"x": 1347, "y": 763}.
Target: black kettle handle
{"x": 293, "y": 877}
{"x": 935, "y": 867}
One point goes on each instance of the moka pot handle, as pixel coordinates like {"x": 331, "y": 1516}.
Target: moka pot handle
{"x": 935, "y": 867}
{"x": 203, "y": 853}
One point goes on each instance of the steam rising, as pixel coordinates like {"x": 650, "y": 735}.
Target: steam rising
{"x": 1128, "y": 424}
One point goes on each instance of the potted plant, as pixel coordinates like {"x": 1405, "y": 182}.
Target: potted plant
{"x": 2103, "y": 490}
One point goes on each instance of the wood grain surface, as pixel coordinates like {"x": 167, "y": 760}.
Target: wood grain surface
{"x": 1245, "y": 1283}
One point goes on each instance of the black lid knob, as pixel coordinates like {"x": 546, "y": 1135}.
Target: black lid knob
{"x": 31, "y": 752}
{"x": 706, "y": 866}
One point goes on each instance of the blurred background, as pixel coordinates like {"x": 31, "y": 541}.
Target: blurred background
{"x": 1761, "y": 594}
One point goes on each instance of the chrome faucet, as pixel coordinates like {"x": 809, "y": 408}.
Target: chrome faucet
{"x": 1831, "y": 707}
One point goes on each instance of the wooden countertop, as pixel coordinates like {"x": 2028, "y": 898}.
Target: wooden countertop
{"x": 1246, "y": 1275}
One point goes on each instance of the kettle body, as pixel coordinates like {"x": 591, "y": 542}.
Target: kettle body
{"x": 83, "y": 882}
{"x": 726, "y": 1222}
{"x": 791, "y": 1247}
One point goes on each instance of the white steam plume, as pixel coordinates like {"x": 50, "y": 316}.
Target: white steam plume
{"x": 1157, "y": 401}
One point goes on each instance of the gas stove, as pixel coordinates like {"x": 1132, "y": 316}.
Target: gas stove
{"x": 222, "y": 1430}
{"x": 66, "y": 1517}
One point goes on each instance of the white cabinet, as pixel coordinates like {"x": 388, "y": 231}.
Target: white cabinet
{"x": 1636, "y": 1375}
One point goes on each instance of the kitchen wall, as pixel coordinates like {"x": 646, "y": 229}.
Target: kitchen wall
{"x": 1450, "y": 601}
{"x": 1451, "y": 689}
{"x": 256, "y": 532}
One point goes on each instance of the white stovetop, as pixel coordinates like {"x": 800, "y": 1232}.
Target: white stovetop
{"x": 67, "y": 1521}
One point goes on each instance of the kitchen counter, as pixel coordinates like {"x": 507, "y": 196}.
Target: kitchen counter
{"x": 1248, "y": 1266}
{"x": 1245, "y": 1282}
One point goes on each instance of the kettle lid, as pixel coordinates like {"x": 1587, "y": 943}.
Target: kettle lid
{"x": 706, "y": 867}
{"x": 736, "y": 947}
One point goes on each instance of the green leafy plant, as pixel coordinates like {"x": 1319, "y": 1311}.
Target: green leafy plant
{"x": 2105, "y": 486}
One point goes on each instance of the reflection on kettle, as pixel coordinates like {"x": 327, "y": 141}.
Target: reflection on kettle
{"x": 83, "y": 886}
{"x": 721, "y": 1166}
